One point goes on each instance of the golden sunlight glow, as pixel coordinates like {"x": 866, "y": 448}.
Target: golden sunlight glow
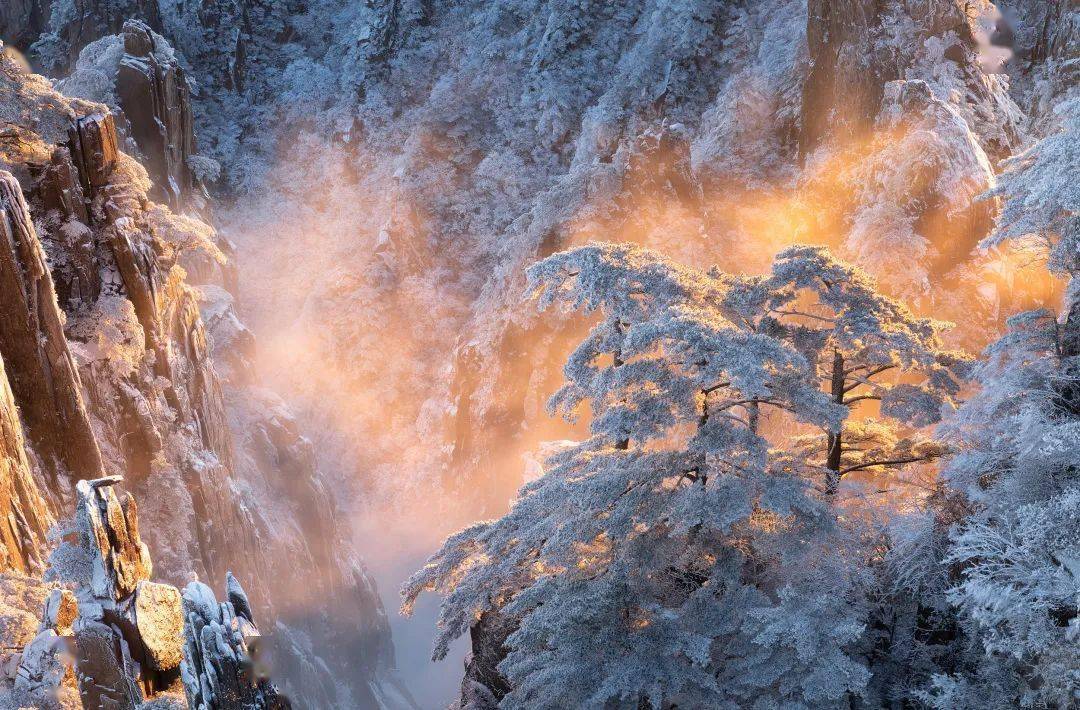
{"x": 352, "y": 348}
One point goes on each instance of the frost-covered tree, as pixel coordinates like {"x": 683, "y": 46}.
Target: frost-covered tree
{"x": 1017, "y": 552}
{"x": 677, "y": 557}
{"x": 1038, "y": 204}
{"x": 1013, "y": 560}
{"x": 863, "y": 347}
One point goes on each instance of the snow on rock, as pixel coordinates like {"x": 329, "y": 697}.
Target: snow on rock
{"x": 857, "y": 46}
{"x": 219, "y": 670}
{"x": 35, "y": 654}
{"x": 137, "y": 75}
{"x": 44, "y": 666}
{"x": 458, "y": 168}
{"x": 61, "y": 610}
{"x": 154, "y": 95}
{"x": 120, "y": 559}
{"x": 126, "y": 633}
{"x": 98, "y": 300}
{"x": 133, "y": 639}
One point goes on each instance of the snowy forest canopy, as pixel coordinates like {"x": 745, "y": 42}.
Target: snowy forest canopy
{"x": 749, "y": 328}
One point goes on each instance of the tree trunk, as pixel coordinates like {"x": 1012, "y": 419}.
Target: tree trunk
{"x": 623, "y": 442}
{"x": 1070, "y": 330}
{"x": 1068, "y": 397}
{"x": 835, "y": 439}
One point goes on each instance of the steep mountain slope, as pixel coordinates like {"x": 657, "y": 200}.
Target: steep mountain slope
{"x": 388, "y": 168}
{"x": 454, "y": 143}
{"x": 110, "y": 368}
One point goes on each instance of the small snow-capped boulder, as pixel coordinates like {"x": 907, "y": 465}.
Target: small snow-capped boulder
{"x": 42, "y": 667}
{"x": 238, "y": 597}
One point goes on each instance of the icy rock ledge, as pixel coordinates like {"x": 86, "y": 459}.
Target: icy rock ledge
{"x": 125, "y": 642}
{"x": 221, "y": 668}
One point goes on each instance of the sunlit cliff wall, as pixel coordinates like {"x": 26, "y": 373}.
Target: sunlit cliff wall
{"x": 123, "y": 355}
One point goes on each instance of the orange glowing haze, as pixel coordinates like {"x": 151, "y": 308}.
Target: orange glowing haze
{"x": 428, "y": 403}
{"x": 364, "y": 318}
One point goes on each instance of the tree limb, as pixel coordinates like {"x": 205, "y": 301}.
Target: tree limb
{"x": 887, "y": 462}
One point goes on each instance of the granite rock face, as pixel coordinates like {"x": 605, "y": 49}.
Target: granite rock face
{"x": 124, "y": 641}
{"x": 109, "y": 367}
{"x": 42, "y": 372}
{"x": 220, "y": 667}
{"x": 137, "y": 75}
{"x": 155, "y": 97}
{"x": 35, "y": 26}
{"x": 123, "y": 650}
{"x": 844, "y": 83}
{"x": 45, "y": 673}
{"x": 24, "y": 517}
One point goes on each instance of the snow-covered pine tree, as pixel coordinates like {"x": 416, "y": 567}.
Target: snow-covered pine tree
{"x": 677, "y": 557}
{"x": 1038, "y": 206}
{"x": 1017, "y": 552}
{"x": 864, "y": 347}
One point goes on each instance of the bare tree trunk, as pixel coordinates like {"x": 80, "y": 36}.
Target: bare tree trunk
{"x": 623, "y": 442}
{"x": 835, "y": 439}
{"x": 753, "y": 411}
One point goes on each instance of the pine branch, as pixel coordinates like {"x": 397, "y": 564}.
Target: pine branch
{"x": 888, "y": 462}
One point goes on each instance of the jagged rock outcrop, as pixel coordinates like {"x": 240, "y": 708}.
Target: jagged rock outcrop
{"x": 38, "y": 668}
{"x": 220, "y": 670}
{"x": 42, "y": 373}
{"x": 54, "y": 33}
{"x": 855, "y": 49}
{"x": 1046, "y": 43}
{"x": 111, "y": 368}
{"x": 111, "y": 634}
{"x": 127, "y": 629}
{"x": 138, "y": 76}
{"x": 154, "y": 95}
{"x": 124, "y": 640}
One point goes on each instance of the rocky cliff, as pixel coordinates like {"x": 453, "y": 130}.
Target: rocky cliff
{"x": 107, "y": 268}
{"x": 111, "y": 638}
{"x": 451, "y": 143}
